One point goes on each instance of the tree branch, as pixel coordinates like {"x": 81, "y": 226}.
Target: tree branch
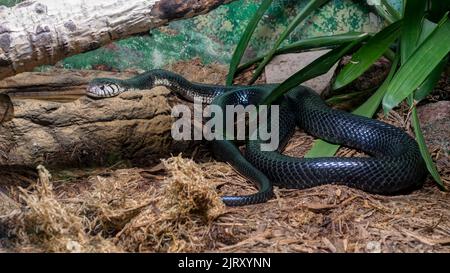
{"x": 38, "y": 32}
{"x": 134, "y": 126}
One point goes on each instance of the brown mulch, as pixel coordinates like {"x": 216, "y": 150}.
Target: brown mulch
{"x": 174, "y": 206}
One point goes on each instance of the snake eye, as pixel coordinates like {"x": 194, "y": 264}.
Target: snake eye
{"x": 102, "y": 87}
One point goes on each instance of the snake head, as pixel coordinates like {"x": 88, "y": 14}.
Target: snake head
{"x": 105, "y": 88}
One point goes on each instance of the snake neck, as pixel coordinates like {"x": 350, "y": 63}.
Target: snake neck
{"x": 171, "y": 81}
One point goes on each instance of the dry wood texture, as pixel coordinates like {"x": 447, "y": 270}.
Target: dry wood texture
{"x": 38, "y": 32}
{"x": 135, "y": 125}
{"x": 57, "y": 85}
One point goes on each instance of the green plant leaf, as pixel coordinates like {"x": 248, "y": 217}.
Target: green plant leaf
{"x": 427, "y": 28}
{"x": 322, "y": 148}
{"x": 310, "y": 7}
{"x": 412, "y": 27}
{"x": 245, "y": 39}
{"x": 416, "y": 31}
{"x": 430, "y": 82}
{"x": 389, "y": 54}
{"x": 368, "y": 54}
{"x": 424, "y": 150}
{"x": 419, "y": 65}
{"x": 427, "y": 86}
{"x": 318, "y": 67}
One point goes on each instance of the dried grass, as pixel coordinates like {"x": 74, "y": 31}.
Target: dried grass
{"x": 179, "y": 220}
{"x": 43, "y": 223}
{"x": 120, "y": 211}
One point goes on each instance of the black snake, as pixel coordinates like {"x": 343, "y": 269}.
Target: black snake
{"x": 395, "y": 164}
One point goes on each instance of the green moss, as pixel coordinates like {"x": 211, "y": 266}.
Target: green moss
{"x": 9, "y": 3}
{"x": 213, "y": 36}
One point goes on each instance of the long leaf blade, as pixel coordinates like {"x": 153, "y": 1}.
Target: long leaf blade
{"x": 414, "y": 30}
{"x": 427, "y": 86}
{"x": 424, "y": 150}
{"x": 419, "y": 65}
{"x": 368, "y": 54}
{"x": 414, "y": 12}
{"x": 245, "y": 39}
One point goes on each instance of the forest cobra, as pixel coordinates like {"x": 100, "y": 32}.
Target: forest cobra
{"x": 395, "y": 164}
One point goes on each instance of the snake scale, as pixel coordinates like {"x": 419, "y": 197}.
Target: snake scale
{"x": 395, "y": 163}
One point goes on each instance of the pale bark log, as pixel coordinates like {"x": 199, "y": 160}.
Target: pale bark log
{"x": 38, "y": 32}
{"x": 133, "y": 126}
{"x": 59, "y": 85}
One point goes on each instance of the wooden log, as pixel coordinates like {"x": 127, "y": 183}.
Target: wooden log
{"x": 56, "y": 85}
{"x": 38, "y": 32}
{"x": 133, "y": 126}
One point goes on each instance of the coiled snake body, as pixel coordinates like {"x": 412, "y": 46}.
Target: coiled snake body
{"x": 395, "y": 164}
